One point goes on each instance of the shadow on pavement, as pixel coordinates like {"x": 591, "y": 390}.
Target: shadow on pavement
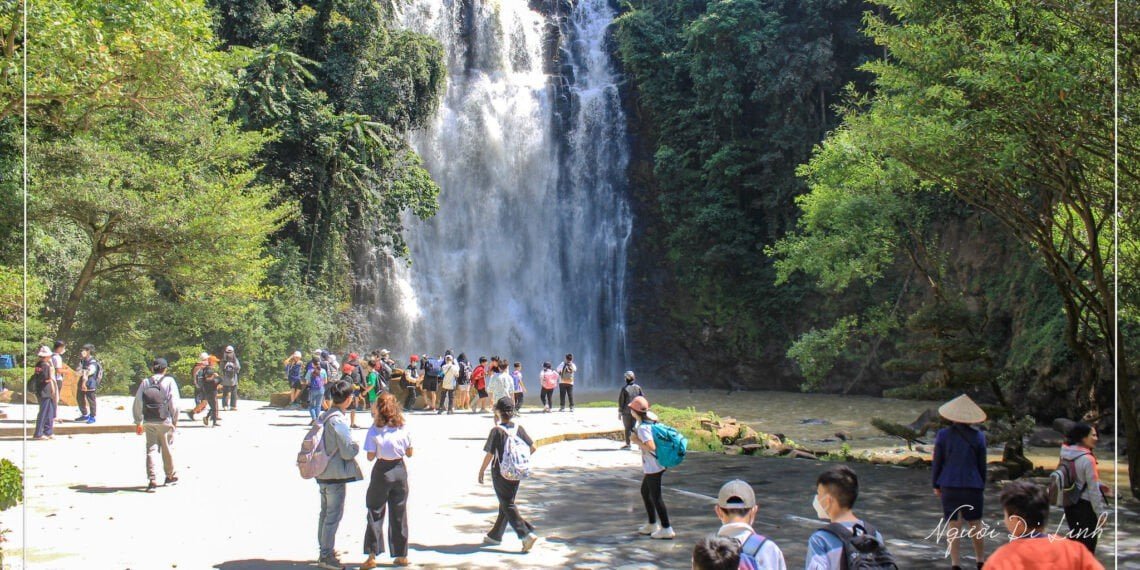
{"x": 449, "y": 548}
{"x": 260, "y": 564}
{"x": 104, "y": 490}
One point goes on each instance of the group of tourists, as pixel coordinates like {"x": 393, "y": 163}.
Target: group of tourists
{"x": 46, "y": 383}
{"x": 447, "y": 383}
{"x": 210, "y": 375}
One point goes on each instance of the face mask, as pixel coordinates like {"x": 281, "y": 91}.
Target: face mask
{"x": 819, "y": 510}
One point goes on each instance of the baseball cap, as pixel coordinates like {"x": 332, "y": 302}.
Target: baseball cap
{"x": 736, "y": 494}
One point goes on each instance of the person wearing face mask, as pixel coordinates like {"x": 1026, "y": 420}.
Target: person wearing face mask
{"x": 833, "y": 545}
{"x": 736, "y": 508}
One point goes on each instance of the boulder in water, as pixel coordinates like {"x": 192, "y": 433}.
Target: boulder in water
{"x": 752, "y": 448}
{"x": 728, "y": 433}
{"x": 733, "y": 450}
{"x": 1045, "y": 437}
{"x": 844, "y": 435}
{"x": 813, "y": 422}
{"x": 800, "y": 454}
{"x": 747, "y": 441}
{"x": 926, "y": 421}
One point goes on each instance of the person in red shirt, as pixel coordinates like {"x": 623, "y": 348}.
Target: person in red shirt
{"x": 1026, "y": 509}
{"x": 479, "y": 382}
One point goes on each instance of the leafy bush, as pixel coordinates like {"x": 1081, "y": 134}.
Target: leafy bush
{"x": 11, "y": 485}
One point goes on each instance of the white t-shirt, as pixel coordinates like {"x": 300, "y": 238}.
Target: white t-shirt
{"x": 649, "y": 462}
{"x": 450, "y": 375}
{"x": 770, "y": 557}
{"x": 500, "y": 386}
{"x": 57, "y": 364}
{"x": 388, "y": 443}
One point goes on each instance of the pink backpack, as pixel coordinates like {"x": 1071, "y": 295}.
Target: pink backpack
{"x": 312, "y": 459}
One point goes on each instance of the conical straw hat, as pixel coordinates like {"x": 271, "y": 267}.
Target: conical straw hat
{"x": 962, "y": 410}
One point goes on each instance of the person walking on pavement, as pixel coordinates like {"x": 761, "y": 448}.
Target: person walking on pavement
{"x": 230, "y": 369}
{"x": 448, "y": 386}
{"x": 549, "y": 380}
{"x": 90, "y": 375}
{"x": 388, "y": 442}
{"x": 628, "y": 392}
{"x": 42, "y": 384}
{"x": 566, "y": 372}
{"x": 341, "y": 469}
{"x": 156, "y": 414}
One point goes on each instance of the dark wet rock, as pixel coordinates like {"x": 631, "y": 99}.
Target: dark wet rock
{"x": 733, "y": 450}
{"x": 781, "y": 437}
{"x": 752, "y": 449}
{"x": 927, "y": 421}
{"x": 1045, "y": 437}
{"x": 844, "y": 435}
{"x": 799, "y": 454}
{"x": 1063, "y": 425}
{"x": 814, "y": 422}
{"x": 997, "y": 472}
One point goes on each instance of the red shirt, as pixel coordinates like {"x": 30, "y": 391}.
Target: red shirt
{"x": 479, "y": 377}
{"x": 1043, "y": 553}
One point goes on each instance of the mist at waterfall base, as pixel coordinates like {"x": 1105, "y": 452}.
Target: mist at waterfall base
{"x": 526, "y": 257}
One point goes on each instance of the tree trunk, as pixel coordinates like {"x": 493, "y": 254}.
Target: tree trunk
{"x": 1127, "y": 406}
{"x": 86, "y": 276}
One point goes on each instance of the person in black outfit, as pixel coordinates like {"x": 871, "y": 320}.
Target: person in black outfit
{"x": 628, "y": 392}
{"x": 505, "y": 489}
{"x": 209, "y": 385}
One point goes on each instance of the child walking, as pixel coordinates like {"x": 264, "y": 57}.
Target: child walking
{"x": 505, "y": 489}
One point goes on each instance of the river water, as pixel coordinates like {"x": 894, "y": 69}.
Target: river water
{"x": 809, "y": 419}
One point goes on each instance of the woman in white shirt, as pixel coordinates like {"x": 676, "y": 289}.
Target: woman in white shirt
{"x": 658, "y": 525}
{"x": 388, "y": 442}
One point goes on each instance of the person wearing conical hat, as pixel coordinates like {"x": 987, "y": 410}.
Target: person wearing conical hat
{"x": 959, "y": 474}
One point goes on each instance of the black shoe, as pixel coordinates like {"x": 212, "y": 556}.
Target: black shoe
{"x": 170, "y": 481}
{"x": 150, "y": 487}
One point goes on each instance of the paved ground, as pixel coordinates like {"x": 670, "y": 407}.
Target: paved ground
{"x": 240, "y": 504}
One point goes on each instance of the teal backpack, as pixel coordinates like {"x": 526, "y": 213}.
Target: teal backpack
{"x": 671, "y": 445}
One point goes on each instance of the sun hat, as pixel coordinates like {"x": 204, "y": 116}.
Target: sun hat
{"x": 736, "y": 494}
{"x": 44, "y": 351}
{"x": 385, "y": 352}
{"x": 203, "y": 356}
{"x": 641, "y": 406}
{"x": 962, "y": 410}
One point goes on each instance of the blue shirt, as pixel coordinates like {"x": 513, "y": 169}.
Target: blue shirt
{"x": 517, "y": 377}
{"x": 959, "y": 458}
{"x": 825, "y": 550}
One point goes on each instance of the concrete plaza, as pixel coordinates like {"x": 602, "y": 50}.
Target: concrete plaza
{"x": 240, "y": 504}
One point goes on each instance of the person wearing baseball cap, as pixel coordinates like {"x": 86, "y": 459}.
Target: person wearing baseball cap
{"x": 658, "y": 526}
{"x": 42, "y": 384}
{"x": 736, "y": 509}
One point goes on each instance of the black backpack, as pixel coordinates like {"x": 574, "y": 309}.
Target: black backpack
{"x": 95, "y": 382}
{"x": 860, "y": 549}
{"x": 431, "y": 368}
{"x": 464, "y": 373}
{"x": 38, "y": 379}
{"x": 154, "y": 400}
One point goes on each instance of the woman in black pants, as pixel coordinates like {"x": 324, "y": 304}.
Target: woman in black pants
{"x": 1086, "y": 516}
{"x": 658, "y": 525}
{"x": 388, "y": 441}
{"x": 505, "y": 489}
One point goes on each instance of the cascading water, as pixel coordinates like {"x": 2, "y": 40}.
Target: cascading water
{"x": 526, "y": 256}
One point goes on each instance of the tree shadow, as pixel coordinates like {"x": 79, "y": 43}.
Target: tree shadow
{"x": 460, "y": 549}
{"x": 107, "y": 490}
{"x": 262, "y": 564}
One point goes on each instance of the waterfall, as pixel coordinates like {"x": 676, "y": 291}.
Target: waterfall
{"x": 526, "y": 257}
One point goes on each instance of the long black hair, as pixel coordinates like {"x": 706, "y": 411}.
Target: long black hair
{"x": 1078, "y": 433}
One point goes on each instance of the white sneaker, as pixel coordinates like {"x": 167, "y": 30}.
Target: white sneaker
{"x": 489, "y": 540}
{"x": 664, "y": 533}
{"x": 529, "y": 541}
{"x": 648, "y": 528}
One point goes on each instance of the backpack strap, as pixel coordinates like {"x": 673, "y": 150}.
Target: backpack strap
{"x": 753, "y": 544}
{"x": 844, "y": 535}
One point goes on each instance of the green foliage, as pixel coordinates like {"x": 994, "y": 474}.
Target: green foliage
{"x": 817, "y": 351}
{"x": 11, "y": 485}
{"x": 733, "y": 94}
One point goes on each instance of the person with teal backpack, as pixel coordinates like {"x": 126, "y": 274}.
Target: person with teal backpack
{"x": 661, "y": 447}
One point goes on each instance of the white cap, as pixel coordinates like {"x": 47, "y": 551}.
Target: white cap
{"x": 229, "y": 349}
{"x": 203, "y": 356}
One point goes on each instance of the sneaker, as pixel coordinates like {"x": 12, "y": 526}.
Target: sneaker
{"x": 91, "y": 420}
{"x": 562, "y": 409}
{"x": 648, "y": 528}
{"x": 488, "y": 540}
{"x": 82, "y": 418}
{"x": 331, "y": 563}
{"x": 664, "y": 534}
{"x": 206, "y": 421}
{"x": 529, "y": 541}
{"x": 150, "y": 487}
{"x": 626, "y": 446}
{"x": 170, "y": 480}
{"x": 191, "y": 414}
